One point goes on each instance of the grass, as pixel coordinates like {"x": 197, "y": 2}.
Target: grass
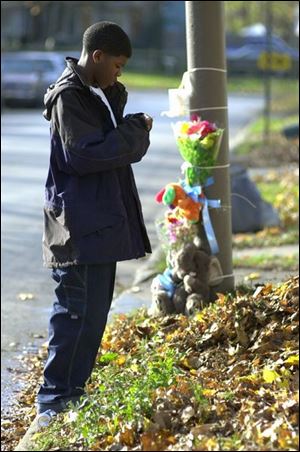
{"x": 281, "y": 189}
{"x": 130, "y": 397}
{"x": 276, "y": 124}
{"x": 160, "y": 81}
{"x": 238, "y": 84}
{"x": 124, "y": 386}
{"x": 267, "y": 261}
{"x": 273, "y": 187}
{"x": 135, "y": 80}
{"x": 266, "y": 237}
{"x": 269, "y": 190}
{"x": 256, "y": 146}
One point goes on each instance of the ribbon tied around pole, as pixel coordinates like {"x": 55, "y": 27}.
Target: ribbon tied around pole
{"x": 192, "y": 192}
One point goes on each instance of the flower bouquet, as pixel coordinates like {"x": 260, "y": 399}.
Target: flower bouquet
{"x": 199, "y": 143}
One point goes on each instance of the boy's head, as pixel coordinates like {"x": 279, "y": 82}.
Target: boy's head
{"x": 107, "y": 47}
{"x": 108, "y": 37}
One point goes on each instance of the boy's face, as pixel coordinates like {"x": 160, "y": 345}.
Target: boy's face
{"x": 107, "y": 68}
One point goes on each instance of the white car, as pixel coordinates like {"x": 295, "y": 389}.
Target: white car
{"x": 25, "y": 76}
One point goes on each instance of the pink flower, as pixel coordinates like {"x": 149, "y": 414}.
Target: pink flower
{"x": 194, "y": 128}
{"x": 206, "y": 128}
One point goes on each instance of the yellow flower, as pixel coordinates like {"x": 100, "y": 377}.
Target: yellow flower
{"x": 184, "y": 128}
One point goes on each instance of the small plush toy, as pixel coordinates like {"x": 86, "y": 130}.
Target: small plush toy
{"x": 174, "y": 196}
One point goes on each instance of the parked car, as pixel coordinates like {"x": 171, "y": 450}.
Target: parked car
{"x": 250, "y": 54}
{"x": 27, "y": 75}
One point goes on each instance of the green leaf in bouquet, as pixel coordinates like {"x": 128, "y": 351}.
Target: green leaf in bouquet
{"x": 196, "y": 176}
{"x": 201, "y": 152}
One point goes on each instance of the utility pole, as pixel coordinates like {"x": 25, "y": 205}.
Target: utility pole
{"x": 207, "y": 69}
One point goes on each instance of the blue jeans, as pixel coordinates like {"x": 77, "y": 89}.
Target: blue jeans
{"x": 83, "y": 298}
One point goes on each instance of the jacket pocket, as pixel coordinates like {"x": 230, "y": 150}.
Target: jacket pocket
{"x": 81, "y": 221}
{"x": 56, "y": 232}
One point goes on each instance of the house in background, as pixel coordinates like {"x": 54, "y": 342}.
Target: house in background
{"x": 156, "y": 28}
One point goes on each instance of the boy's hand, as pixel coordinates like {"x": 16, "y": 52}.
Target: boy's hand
{"x": 146, "y": 119}
{"x": 149, "y": 121}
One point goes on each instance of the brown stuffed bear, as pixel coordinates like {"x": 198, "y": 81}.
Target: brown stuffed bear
{"x": 193, "y": 272}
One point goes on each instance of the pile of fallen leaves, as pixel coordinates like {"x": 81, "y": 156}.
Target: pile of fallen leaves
{"x": 286, "y": 202}
{"x": 277, "y": 152}
{"x": 287, "y": 199}
{"x": 226, "y": 379}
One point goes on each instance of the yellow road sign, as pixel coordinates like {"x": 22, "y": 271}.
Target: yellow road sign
{"x": 274, "y": 61}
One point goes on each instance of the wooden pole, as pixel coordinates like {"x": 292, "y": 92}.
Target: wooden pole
{"x": 206, "y": 61}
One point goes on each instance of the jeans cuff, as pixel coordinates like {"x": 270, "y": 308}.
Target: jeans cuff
{"x": 59, "y": 406}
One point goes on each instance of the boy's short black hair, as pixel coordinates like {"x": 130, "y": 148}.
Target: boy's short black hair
{"x": 108, "y": 37}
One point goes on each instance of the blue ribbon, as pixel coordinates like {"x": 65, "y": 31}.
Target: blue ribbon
{"x": 192, "y": 192}
{"x": 209, "y": 181}
{"x": 207, "y": 223}
{"x": 167, "y": 283}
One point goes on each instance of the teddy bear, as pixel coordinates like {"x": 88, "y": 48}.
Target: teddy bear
{"x": 185, "y": 285}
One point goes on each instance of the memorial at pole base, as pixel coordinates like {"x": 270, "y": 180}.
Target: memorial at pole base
{"x": 192, "y": 267}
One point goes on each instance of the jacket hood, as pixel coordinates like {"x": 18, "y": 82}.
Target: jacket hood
{"x": 70, "y": 79}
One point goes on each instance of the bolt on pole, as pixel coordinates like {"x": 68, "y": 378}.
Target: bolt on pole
{"x": 205, "y": 37}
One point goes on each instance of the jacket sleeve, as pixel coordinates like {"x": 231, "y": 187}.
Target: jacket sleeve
{"x": 85, "y": 148}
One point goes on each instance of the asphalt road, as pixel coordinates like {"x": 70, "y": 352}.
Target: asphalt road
{"x": 24, "y": 160}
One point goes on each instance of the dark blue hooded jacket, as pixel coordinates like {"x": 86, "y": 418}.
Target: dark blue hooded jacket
{"x": 92, "y": 212}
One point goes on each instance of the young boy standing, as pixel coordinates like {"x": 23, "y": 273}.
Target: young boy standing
{"x": 92, "y": 213}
